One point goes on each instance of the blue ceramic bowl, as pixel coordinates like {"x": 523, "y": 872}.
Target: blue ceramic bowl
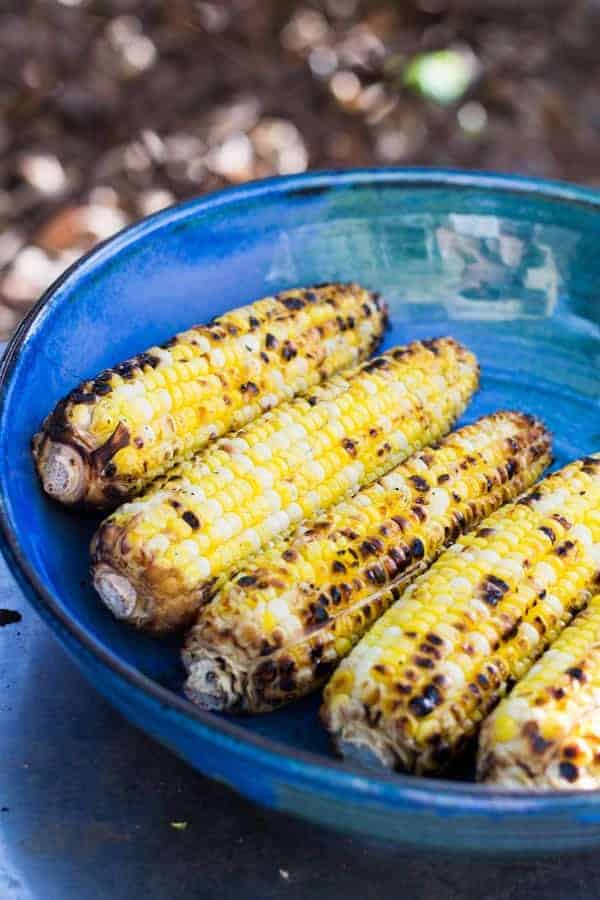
{"x": 509, "y": 266}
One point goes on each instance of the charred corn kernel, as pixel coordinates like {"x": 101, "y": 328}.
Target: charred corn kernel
{"x": 546, "y": 733}
{"x": 133, "y": 580}
{"x": 439, "y": 681}
{"x": 279, "y": 627}
{"x": 114, "y": 434}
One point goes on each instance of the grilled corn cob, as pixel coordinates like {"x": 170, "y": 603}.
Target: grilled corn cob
{"x": 159, "y": 558}
{"x": 113, "y": 434}
{"x": 417, "y": 686}
{"x": 546, "y": 734}
{"x": 280, "y": 627}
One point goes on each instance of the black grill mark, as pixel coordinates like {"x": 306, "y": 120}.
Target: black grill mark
{"x": 247, "y": 580}
{"x": 319, "y": 614}
{"x": 568, "y": 771}
{"x": 336, "y": 594}
{"x": 417, "y": 549}
{"x": 81, "y": 397}
{"x": 379, "y": 362}
{"x": 564, "y": 548}
{"x": 288, "y": 351}
{"x": 423, "y": 705}
{"x": 371, "y": 547}
{"x": 191, "y": 519}
{"x": 492, "y": 589}
{"x": 292, "y": 303}
{"x": 376, "y": 574}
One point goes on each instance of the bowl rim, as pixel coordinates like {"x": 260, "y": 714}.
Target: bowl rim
{"x": 392, "y": 789}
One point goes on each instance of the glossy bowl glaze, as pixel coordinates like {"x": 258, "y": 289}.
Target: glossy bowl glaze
{"x": 509, "y": 266}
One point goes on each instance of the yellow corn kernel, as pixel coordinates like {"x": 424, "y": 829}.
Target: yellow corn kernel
{"x": 505, "y": 727}
{"x": 268, "y": 621}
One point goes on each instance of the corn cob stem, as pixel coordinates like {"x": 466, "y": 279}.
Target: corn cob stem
{"x": 280, "y": 626}
{"x": 174, "y": 547}
{"x": 114, "y": 434}
{"x": 417, "y": 686}
{"x": 63, "y": 471}
{"x": 546, "y": 734}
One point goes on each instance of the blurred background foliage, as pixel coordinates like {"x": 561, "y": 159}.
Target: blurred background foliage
{"x": 113, "y": 109}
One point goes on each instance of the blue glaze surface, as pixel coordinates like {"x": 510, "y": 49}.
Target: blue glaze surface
{"x": 509, "y": 266}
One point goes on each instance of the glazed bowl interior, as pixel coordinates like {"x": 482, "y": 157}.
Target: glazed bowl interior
{"x": 510, "y": 267}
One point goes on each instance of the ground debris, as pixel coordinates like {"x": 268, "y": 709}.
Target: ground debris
{"x": 114, "y": 111}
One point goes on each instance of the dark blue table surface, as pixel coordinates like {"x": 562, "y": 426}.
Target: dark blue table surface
{"x": 87, "y": 804}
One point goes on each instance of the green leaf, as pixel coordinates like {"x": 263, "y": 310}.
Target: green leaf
{"x": 443, "y": 76}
